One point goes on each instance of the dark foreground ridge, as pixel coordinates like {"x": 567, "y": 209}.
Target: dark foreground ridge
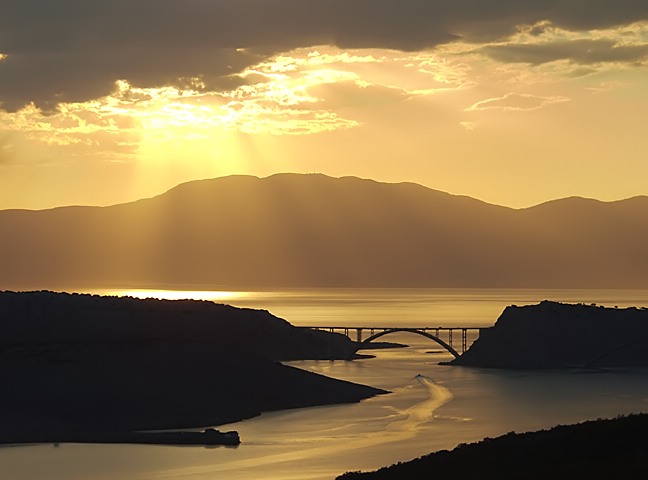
{"x": 75, "y": 365}
{"x": 601, "y": 449}
{"x": 557, "y": 335}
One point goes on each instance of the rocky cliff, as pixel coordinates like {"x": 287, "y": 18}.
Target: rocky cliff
{"x": 555, "y": 335}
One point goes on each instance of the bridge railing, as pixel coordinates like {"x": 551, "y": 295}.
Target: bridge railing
{"x": 448, "y": 334}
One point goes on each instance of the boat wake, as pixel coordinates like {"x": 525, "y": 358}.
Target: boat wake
{"x": 416, "y": 416}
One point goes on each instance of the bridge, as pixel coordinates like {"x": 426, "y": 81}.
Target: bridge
{"x": 444, "y": 336}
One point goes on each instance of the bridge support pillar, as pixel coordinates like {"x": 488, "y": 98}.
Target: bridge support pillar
{"x": 348, "y": 331}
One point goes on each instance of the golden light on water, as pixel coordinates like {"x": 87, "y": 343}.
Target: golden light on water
{"x": 209, "y": 295}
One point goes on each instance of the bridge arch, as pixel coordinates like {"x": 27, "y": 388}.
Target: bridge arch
{"x": 407, "y": 330}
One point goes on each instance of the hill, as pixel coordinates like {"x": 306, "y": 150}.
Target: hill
{"x": 88, "y": 364}
{"x": 601, "y": 449}
{"x": 315, "y": 231}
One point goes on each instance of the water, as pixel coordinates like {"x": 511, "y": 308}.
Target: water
{"x": 391, "y": 307}
{"x": 431, "y": 406}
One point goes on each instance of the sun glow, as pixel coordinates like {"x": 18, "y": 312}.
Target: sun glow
{"x": 296, "y": 93}
{"x": 284, "y": 95}
{"x": 350, "y": 112}
{"x": 206, "y": 295}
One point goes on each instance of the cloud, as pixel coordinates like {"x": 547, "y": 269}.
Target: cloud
{"x": 606, "y": 86}
{"x": 75, "y": 50}
{"x": 516, "y": 102}
{"x": 582, "y": 51}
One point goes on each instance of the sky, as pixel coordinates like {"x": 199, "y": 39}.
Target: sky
{"x": 514, "y": 102}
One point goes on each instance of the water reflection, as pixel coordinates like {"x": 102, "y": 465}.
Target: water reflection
{"x": 432, "y": 406}
{"x": 211, "y": 295}
{"x": 390, "y": 307}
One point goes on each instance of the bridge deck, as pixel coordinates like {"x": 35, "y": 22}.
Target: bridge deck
{"x": 439, "y": 332}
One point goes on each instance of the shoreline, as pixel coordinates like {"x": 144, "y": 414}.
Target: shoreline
{"x": 208, "y": 437}
{"x": 594, "y": 449}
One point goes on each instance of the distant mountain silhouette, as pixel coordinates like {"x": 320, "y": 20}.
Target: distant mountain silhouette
{"x": 293, "y": 230}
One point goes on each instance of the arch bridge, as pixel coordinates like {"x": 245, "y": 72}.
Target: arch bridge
{"x": 444, "y": 336}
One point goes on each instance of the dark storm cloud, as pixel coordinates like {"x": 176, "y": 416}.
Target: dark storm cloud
{"x": 577, "y": 51}
{"x": 74, "y": 50}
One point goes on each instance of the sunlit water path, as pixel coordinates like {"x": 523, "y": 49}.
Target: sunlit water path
{"x": 431, "y": 406}
{"x": 387, "y": 307}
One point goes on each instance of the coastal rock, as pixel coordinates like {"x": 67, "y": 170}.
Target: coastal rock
{"x": 557, "y": 335}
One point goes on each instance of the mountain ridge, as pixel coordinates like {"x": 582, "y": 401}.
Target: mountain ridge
{"x": 291, "y": 230}
{"x": 346, "y": 177}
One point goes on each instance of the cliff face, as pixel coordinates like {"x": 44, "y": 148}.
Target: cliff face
{"x": 555, "y": 335}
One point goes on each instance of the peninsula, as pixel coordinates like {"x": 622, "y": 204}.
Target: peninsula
{"x": 86, "y": 366}
{"x": 558, "y": 335}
